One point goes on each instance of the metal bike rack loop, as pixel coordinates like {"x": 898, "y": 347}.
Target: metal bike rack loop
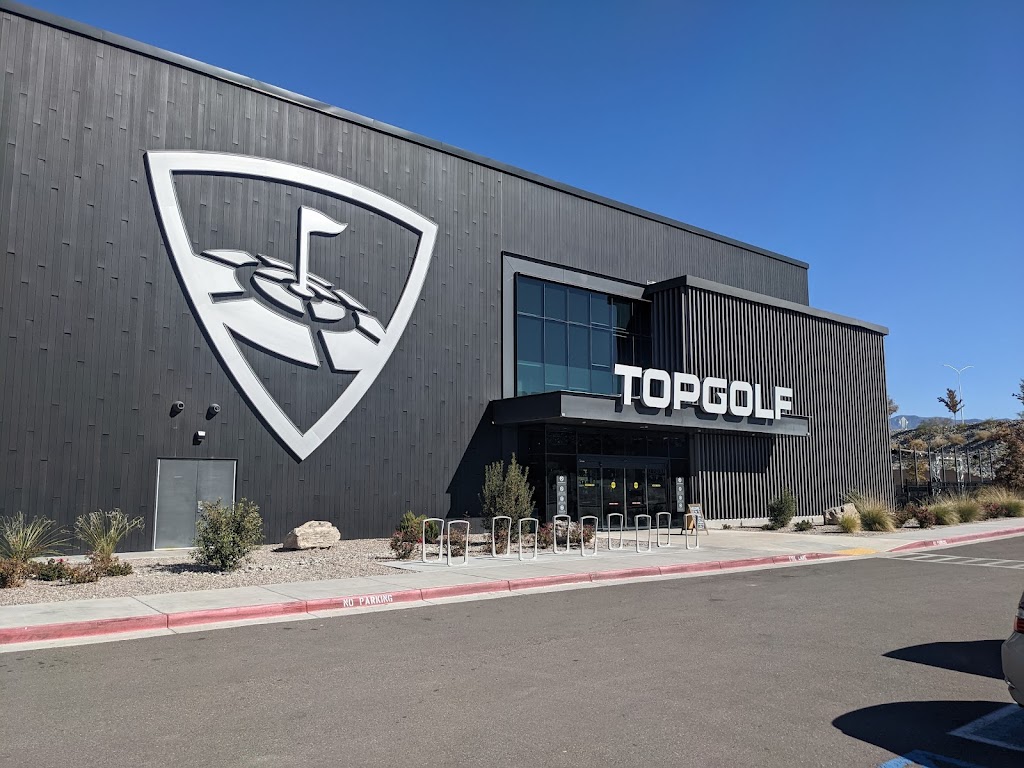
{"x": 494, "y": 539}
{"x": 636, "y": 525}
{"x": 554, "y": 534}
{"x": 668, "y": 528}
{"x": 622, "y": 524}
{"x": 536, "y": 529}
{"x": 698, "y": 522}
{"x": 583, "y": 537}
{"x": 465, "y": 551}
{"x": 440, "y": 541}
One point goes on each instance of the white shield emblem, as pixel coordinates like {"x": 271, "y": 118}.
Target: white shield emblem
{"x": 283, "y": 308}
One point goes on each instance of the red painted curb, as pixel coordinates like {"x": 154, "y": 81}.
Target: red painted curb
{"x": 458, "y": 590}
{"x": 548, "y": 581}
{"x": 669, "y": 570}
{"x": 69, "y": 629}
{"x": 214, "y": 615}
{"x": 747, "y": 562}
{"x": 958, "y": 539}
{"x": 363, "y": 601}
{"x": 625, "y": 573}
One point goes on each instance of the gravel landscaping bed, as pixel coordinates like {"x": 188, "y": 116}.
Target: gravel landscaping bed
{"x": 178, "y": 573}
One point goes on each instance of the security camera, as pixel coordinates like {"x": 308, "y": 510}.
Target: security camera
{"x": 212, "y": 411}
{"x": 177, "y": 407}
{"x": 198, "y": 437}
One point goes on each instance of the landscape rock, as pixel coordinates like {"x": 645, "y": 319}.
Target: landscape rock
{"x": 832, "y": 514}
{"x": 316, "y": 534}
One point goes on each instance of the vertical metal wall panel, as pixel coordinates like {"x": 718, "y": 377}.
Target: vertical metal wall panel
{"x": 96, "y": 338}
{"x": 837, "y": 373}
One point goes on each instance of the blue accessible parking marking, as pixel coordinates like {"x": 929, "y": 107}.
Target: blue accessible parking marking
{"x": 1003, "y": 728}
{"x": 921, "y": 759}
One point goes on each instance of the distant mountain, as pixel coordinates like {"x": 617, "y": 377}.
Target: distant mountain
{"x": 897, "y": 423}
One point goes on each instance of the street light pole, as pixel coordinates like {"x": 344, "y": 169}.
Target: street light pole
{"x": 959, "y": 389}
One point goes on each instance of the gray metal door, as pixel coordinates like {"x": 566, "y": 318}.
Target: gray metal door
{"x": 181, "y": 485}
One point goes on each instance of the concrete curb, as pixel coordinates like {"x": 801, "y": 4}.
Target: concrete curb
{"x": 158, "y": 621}
{"x": 959, "y": 539}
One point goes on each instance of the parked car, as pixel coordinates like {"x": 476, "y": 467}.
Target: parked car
{"x": 1013, "y": 657}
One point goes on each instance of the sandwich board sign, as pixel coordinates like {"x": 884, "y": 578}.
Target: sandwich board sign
{"x": 695, "y": 518}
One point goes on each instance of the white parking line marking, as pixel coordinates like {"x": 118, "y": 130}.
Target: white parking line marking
{"x": 1003, "y": 728}
{"x": 984, "y": 562}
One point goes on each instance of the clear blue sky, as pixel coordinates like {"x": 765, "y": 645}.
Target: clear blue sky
{"x": 882, "y": 141}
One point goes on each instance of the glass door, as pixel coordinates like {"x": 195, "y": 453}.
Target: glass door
{"x": 588, "y": 480}
{"x": 636, "y": 493}
{"x": 612, "y": 491}
{"x": 657, "y": 490}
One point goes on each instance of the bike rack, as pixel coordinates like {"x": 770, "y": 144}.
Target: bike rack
{"x": 536, "y": 530}
{"x": 622, "y": 524}
{"x": 636, "y": 524}
{"x": 696, "y": 530}
{"x": 465, "y": 552}
{"x": 583, "y": 541}
{"x": 668, "y": 528}
{"x": 440, "y": 541}
{"x": 554, "y": 534}
{"x": 494, "y": 540}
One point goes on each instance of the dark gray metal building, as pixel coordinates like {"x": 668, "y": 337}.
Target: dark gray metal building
{"x": 211, "y": 287}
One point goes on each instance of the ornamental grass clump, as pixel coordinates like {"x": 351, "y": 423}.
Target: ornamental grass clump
{"x": 944, "y": 510}
{"x": 102, "y": 533}
{"x": 227, "y": 534}
{"x": 24, "y": 541}
{"x": 875, "y": 514}
{"x": 1001, "y": 502}
{"x": 849, "y": 523}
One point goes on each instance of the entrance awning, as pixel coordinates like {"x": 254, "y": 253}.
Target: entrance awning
{"x": 608, "y": 411}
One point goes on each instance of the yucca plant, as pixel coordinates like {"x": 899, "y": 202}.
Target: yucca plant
{"x": 102, "y": 532}
{"x": 21, "y": 541}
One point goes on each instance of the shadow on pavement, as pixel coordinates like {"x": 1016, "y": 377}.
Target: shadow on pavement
{"x": 908, "y": 726}
{"x": 975, "y": 657}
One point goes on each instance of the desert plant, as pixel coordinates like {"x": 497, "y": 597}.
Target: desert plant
{"x": 227, "y": 534}
{"x": 781, "y": 510}
{"x": 726, "y": 527}
{"x": 409, "y": 533}
{"x": 952, "y": 403}
{"x": 51, "y": 570}
{"x": 24, "y": 541}
{"x": 875, "y": 514}
{"x": 849, "y": 523}
{"x": 506, "y": 492}
{"x": 117, "y": 567}
{"x": 82, "y": 574}
{"x": 1010, "y": 464}
{"x": 457, "y": 538}
{"x": 901, "y": 516}
{"x": 925, "y": 517}
{"x": 1001, "y": 502}
{"x": 12, "y": 573}
{"x": 102, "y": 532}
{"x": 944, "y": 510}
{"x": 966, "y": 507}
{"x": 803, "y": 525}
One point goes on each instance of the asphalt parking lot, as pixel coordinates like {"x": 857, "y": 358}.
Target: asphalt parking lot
{"x": 852, "y": 663}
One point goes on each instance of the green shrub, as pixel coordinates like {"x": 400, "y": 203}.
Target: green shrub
{"x": 227, "y": 534}
{"x": 82, "y": 574}
{"x": 781, "y": 510}
{"x": 901, "y": 516}
{"x": 12, "y": 573}
{"x": 115, "y": 567}
{"x": 564, "y": 535}
{"x": 803, "y": 525}
{"x": 51, "y": 570}
{"x": 507, "y": 493}
{"x": 23, "y": 541}
{"x": 849, "y": 523}
{"x": 945, "y": 512}
{"x": 457, "y": 537}
{"x": 726, "y": 527}
{"x": 1000, "y": 502}
{"x": 102, "y": 532}
{"x": 409, "y": 533}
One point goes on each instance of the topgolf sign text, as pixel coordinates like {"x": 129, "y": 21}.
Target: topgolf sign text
{"x": 661, "y": 389}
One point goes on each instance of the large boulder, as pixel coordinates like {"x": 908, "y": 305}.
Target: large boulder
{"x": 316, "y": 534}
{"x": 832, "y": 514}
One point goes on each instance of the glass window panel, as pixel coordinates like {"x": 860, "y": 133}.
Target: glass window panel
{"x": 529, "y": 296}
{"x": 589, "y": 442}
{"x": 579, "y": 357}
{"x": 624, "y": 349}
{"x": 600, "y": 309}
{"x": 529, "y": 379}
{"x": 578, "y": 306}
{"x": 613, "y": 443}
{"x": 601, "y": 348}
{"x": 642, "y": 318}
{"x": 556, "y": 374}
{"x": 623, "y": 313}
{"x": 601, "y": 381}
{"x": 529, "y": 339}
{"x": 554, "y": 301}
{"x": 642, "y": 351}
{"x": 561, "y": 440}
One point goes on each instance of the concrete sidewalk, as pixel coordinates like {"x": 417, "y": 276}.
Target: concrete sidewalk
{"x": 25, "y": 626}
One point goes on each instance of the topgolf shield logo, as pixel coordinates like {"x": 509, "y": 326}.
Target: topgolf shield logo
{"x": 281, "y": 307}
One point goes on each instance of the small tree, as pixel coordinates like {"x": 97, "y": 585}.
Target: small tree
{"x": 506, "y": 493}
{"x": 891, "y": 407}
{"x": 227, "y": 534}
{"x": 1010, "y": 466}
{"x": 1019, "y": 395}
{"x": 952, "y": 402}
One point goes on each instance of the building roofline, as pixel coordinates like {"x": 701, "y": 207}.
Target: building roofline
{"x": 144, "y": 49}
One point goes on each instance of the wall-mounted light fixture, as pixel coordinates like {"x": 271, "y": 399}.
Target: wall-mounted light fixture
{"x": 198, "y": 437}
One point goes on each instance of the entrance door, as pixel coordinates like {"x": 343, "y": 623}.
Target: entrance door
{"x": 181, "y": 485}
{"x": 657, "y": 490}
{"x": 636, "y": 492}
{"x": 588, "y": 493}
{"x": 613, "y": 493}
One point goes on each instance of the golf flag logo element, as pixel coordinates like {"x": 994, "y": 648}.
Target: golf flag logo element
{"x": 281, "y": 307}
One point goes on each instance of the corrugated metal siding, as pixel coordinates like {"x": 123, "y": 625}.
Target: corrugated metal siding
{"x": 837, "y": 373}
